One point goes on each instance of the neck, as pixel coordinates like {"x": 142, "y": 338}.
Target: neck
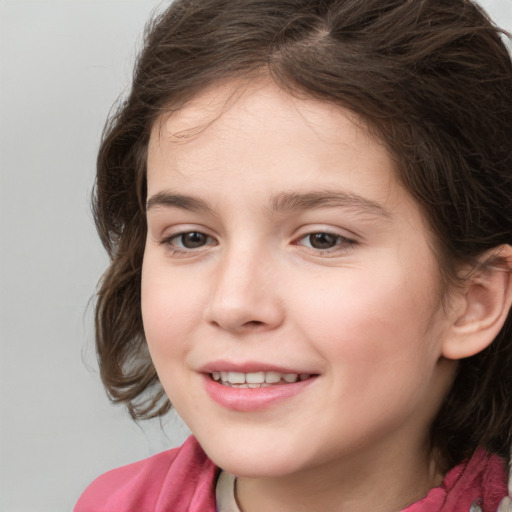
{"x": 380, "y": 484}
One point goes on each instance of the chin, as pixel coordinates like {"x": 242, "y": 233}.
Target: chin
{"x": 252, "y": 460}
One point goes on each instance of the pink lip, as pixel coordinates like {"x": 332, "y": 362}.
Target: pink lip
{"x": 247, "y": 399}
{"x": 247, "y": 367}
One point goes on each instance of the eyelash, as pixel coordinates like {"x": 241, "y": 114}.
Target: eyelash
{"x": 169, "y": 242}
{"x": 342, "y": 243}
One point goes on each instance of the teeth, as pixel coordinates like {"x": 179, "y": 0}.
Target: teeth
{"x": 257, "y": 379}
{"x": 272, "y": 377}
{"x": 236, "y": 378}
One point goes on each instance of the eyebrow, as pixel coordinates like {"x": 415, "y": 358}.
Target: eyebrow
{"x": 168, "y": 199}
{"x": 282, "y": 202}
{"x": 288, "y": 201}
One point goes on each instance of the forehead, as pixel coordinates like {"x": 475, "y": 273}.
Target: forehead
{"x": 237, "y": 100}
{"x": 237, "y": 120}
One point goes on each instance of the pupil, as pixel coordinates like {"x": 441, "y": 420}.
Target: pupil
{"x": 323, "y": 240}
{"x": 193, "y": 240}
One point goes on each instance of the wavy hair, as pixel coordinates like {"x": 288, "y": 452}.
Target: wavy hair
{"x": 432, "y": 79}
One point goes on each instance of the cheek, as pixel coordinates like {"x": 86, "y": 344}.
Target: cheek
{"x": 375, "y": 333}
{"x": 380, "y": 317}
{"x": 169, "y": 310}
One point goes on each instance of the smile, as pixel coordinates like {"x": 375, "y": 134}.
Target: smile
{"x": 255, "y": 390}
{"x": 254, "y": 380}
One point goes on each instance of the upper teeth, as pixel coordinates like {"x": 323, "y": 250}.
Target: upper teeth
{"x": 257, "y": 377}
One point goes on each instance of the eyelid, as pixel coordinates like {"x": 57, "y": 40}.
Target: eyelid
{"x": 170, "y": 235}
{"x": 179, "y": 228}
{"x": 178, "y": 235}
{"x": 344, "y": 243}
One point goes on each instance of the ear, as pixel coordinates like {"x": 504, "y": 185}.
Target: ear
{"x": 480, "y": 309}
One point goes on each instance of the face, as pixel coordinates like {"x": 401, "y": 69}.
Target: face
{"x": 290, "y": 294}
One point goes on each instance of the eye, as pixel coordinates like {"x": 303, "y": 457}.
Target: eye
{"x": 322, "y": 240}
{"x": 325, "y": 241}
{"x": 188, "y": 241}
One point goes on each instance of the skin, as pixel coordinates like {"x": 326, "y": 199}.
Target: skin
{"x": 365, "y": 315}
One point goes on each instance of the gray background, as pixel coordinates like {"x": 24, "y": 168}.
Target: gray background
{"x": 62, "y": 65}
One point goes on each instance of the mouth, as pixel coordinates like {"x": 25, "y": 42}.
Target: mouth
{"x": 255, "y": 389}
{"x": 255, "y": 380}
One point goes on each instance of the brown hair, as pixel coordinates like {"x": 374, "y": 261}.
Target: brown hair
{"x": 431, "y": 78}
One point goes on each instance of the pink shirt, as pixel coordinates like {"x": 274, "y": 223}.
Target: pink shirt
{"x": 184, "y": 479}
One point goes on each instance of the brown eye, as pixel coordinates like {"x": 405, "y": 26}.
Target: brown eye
{"x": 187, "y": 241}
{"x": 191, "y": 240}
{"x": 323, "y": 241}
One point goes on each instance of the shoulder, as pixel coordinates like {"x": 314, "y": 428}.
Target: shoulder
{"x": 481, "y": 480}
{"x": 181, "y": 479}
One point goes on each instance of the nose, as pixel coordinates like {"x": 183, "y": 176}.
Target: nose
{"x": 244, "y": 295}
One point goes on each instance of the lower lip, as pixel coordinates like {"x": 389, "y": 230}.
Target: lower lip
{"x": 253, "y": 399}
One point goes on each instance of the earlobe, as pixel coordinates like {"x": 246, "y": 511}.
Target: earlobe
{"x": 483, "y": 305}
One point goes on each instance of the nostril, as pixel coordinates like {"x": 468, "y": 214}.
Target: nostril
{"x": 253, "y": 323}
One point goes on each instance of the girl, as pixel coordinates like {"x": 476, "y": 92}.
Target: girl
{"x": 307, "y": 205}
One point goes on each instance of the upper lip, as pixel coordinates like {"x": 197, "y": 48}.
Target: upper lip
{"x": 249, "y": 367}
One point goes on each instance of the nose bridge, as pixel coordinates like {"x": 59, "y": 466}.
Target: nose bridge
{"x": 243, "y": 296}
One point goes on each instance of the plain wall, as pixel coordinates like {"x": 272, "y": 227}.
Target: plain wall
{"x": 62, "y": 65}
